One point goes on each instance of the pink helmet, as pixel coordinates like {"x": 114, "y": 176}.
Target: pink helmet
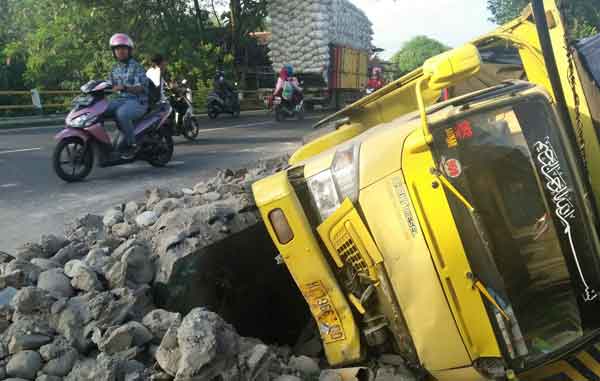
{"x": 121, "y": 39}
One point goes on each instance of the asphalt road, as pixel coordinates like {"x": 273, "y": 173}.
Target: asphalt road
{"x": 33, "y": 201}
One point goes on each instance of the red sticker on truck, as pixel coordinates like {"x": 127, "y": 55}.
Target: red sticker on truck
{"x": 452, "y": 168}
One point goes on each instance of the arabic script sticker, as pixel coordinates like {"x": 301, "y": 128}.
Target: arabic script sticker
{"x": 452, "y": 168}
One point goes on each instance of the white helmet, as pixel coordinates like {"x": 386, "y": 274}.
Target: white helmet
{"x": 121, "y": 39}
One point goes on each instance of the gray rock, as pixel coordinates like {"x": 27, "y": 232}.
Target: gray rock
{"x": 144, "y": 302}
{"x": 72, "y": 317}
{"x": 99, "y": 260}
{"x": 201, "y": 188}
{"x": 62, "y": 365}
{"x": 6, "y": 314}
{"x": 20, "y": 343}
{"x": 212, "y": 196}
{"x": 51, "y": 244}
{"x": 305, "y": 365}
{"x": 56, "y": 283}
{"x": 187, "y": 192}
{"x": 32, "y": 300}
{"x": 159, "y": 321}
{"x": 131, "y": 211}
{"x": 139, "y": 266}
{"x": 14, "y": 379}
{"x": 74, "y": 250}
{"x": 3, "y": 352}
{"x": 146, "y": 219}
{"x": 14, "y": 279}
{"x": 45, "y": 377}
{"x": 330, "y": 375}
{"x": 24, "y": 364}
{"x": 45, "y": 264}
{"x": 102, "y": 368}
{"x": 27, "y": 326}
{"x": 118, "y": 339}
{"x": 55, "y": 349}
{"x": 167, "y": 205}
{"x": 124, "y": 230}
{"x": 287, "y": 377}
{"x": 205, "y": 347}
{"x": 82, "y": 277}
{"x": 88, "y": 228}
{"x": 112, "y": 216}
{"x": 111, "y": 308}
{"x": 29, "y": 251}
{"x": 117, "y": 275}
{"x": 154, "y": 195}
{"x": 30, "y": 270}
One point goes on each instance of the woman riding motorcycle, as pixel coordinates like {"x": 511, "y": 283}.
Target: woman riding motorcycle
{"x": 286, "y": 78}
{"x": 129, "y": 79}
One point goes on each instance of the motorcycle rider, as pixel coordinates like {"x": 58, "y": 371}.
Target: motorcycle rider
{"x": 223, "y": 88}
{"x": 287, "y": 81}
{"x": 375, "y": 82}
{"x": 129, "y": 79}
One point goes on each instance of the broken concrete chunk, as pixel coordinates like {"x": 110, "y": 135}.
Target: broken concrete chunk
{"x": 74, "y": 250}
{"x": 124, "y": 230}
{"x": 82, "y": 277}
{"x": 167, "y": 205}
{"x": 45, "y": 264}
{"x": 61, "y": 366}
{"x": 22, "y": 342}
{"x": 305, "y": 365}
{"x": 32, "y": 300}
{"x": 29, "y": 251}
{"x": 159, "y": 321}
{"x": 112, "y": 216}
{"x": 30, "y": 270}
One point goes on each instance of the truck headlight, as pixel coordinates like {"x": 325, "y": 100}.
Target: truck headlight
{"x": 324, "y": 193}
{"x": 330, "y": 187}
{"x": 345, "y": 172}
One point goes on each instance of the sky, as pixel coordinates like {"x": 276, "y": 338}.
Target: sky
{"x": 452, "y": 22}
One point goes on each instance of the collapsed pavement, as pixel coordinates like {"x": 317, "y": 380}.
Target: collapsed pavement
{"x": 180, "y": 286}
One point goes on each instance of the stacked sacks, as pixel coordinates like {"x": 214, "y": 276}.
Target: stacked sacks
{"x": 302, "y": 32}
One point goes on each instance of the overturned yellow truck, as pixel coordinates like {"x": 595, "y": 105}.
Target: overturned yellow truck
{"x": 460, "y": 233}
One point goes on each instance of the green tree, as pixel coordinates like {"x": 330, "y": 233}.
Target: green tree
{"x": 415, "y": 52}
{"x": 582, "y": 16}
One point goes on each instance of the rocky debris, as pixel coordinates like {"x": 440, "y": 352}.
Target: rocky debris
{"x": 31, "y": 272}
{"x": 74, "y": 250}
{"x": 82, "y": 277}
{"x": 82, "y": 307}
{"x": 29, "y": 251}
{"x": 146, "y": 219}
{"x": 24, "y": 364}
{"x": 112, "y": 217}
{"x": 56, "y": 283}
{"x": 45, "y": 264}
{"x": 159, "y": 321}
{"x": 51, "y": 244}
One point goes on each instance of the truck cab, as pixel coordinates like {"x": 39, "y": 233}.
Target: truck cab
{"x": 460, "y": 235}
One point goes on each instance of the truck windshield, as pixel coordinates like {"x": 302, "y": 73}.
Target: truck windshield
{"x": 509, "y": 163}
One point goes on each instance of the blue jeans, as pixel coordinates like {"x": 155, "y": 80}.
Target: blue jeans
{"x": 126, "y": 111}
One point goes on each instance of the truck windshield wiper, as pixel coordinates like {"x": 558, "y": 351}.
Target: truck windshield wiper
{"x": 479, "y": 227}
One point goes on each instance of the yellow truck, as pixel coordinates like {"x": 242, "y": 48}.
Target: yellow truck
{"x": 461, "y": 234}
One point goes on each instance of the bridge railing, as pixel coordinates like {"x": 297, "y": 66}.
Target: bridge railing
{"x": 39, "y": 101}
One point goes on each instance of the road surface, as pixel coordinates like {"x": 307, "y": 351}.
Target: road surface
{"x": 33, "y": 201}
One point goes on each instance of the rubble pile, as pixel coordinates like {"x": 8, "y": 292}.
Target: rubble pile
{"x": 96, "y": 303}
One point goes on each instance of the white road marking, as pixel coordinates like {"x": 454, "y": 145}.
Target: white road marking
{"x": 21, "y": 150}
{"x": 11, "y": 185}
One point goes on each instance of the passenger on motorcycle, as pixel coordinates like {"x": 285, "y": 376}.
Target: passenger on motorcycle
{"x": 375, "y": 82}
{"x": 129, "y": 79}
{"x": 157, "y": 74}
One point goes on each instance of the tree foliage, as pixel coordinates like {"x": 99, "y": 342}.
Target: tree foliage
{"x": 582, "y": 16}
{"x": 62, "y": 43}
{"x": 415, "y": 52}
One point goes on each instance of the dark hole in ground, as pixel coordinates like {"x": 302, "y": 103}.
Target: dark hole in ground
{"x": 240, "y": 279}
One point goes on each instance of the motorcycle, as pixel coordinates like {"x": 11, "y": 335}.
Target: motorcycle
{"x": 216, "y": 105}
{"x": 85, "y": 138}
{"x": 183, "y": 120}
{"x": 285, "y": 109}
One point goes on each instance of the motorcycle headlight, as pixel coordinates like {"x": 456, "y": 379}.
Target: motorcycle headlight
{"x": 82, "y": 121}
{"x": 330, "y": 187}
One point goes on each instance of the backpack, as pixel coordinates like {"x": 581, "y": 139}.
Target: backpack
{"x": 288, "y": 90}
{"x": 153, "y": 93}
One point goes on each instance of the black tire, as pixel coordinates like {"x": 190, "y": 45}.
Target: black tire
{"x": 236, "y": 111}
{"x": 191, "y": 128}
{"x": 162, "y": 154}
{"x": 301, "y": 113}
{"x": 213, "y": 113}
{"x": 80, "y": 158}
{"x": 279, "y": 115}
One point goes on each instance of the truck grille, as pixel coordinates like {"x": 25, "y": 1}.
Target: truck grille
{"x": 349, "y": 253}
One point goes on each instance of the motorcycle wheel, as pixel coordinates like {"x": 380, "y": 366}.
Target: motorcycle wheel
{"x": 301, "y": 113}
{"x": 78, "y": 162}
{"x": 279, "y": 115}
{"x": 212, "y": 112}
{"x": 236, "y": 111}
{"x": 163, "y": 152}
{"x": 191, "y": 128}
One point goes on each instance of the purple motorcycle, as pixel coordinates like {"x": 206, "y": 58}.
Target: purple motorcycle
{"x": 85, "y": 138}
